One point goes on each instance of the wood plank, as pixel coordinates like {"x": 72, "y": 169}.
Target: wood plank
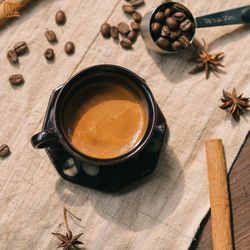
{"x": 239, "y": 181}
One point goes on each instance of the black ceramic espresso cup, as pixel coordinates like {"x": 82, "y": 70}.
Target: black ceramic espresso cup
{"x": 51, "y": 137}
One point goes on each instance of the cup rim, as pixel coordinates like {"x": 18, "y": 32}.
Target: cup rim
{"x": 141, "y": 83}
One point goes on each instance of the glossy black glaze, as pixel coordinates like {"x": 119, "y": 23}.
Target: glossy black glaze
{"x": 113, "y": 177}
{"x": 79, "y": 81}
{"x": 107, "y": 175}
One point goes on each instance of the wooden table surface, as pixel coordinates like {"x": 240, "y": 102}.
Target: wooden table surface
{"x": 239, "y": 179}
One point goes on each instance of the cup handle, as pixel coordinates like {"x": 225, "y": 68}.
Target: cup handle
{"x": 44, "y": 139}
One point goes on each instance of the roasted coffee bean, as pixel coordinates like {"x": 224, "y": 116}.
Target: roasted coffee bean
{"x": 176, "y": 45}
{"x": 60, "y": 17}
{"x": 186, "y": 25}
{"x": 163, "y": 43}
{"x": 16, "y": 79}
{"x": 179, "y": 16}
{"x": 137, "y": 17}
{"x": 174, "y": 35}
{"x": 179, "y": 7}
{"x": 51, "y": 36}
{"x": 126, "y": 43}
{"x": 105, "y": 30}
{"x": 4, "y": 150}
{"x": 156, "y": 28}
{"x": 123, "y": 28}
{"x": 159, "y": 17}
{"x": 12, "y": 56}
{"x": 165, "y": 31}
{"x": 136, "y": 3}
{"x": 21, "y": 48}
{"x": 128, "y": 8}
{"x": 167, "y": 12}
{"x": 184, "y": 41}
{"x": 135, "y": 26}
{"x": 49, "y": 54}
{"x": 132, "y": 35}
{"x": 69, "y": 48}
{"x": 114, "y": 32}
{"x": 172, "y": 23}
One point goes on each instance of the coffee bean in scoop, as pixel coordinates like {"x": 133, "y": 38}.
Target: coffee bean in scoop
{"x": 156, "y": 28}
{"x": 160, "y": 17}
{"x": 163, "y": 43}
{"x": 172, "y": 27}
{"x": 172, "y": 23}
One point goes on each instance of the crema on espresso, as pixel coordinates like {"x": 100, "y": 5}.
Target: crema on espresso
{"x": 105, "y": 119}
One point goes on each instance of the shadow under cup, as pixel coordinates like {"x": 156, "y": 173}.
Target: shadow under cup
{"x": 105, "y": 115}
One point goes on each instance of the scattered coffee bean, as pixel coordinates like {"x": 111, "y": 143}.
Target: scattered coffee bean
{"x": 135, "y": 26}
{"x": 114, "y": 32}
{"x": 137, "y": 17}
{"x": 128, "y": 8}
{"x": 186, "y": 25}
{"x": 160, "y": 17}
{"x": 172, "y": 23}
{"x": 132, "y": 35}
{"x": 126, "y": 43}
{"x": 12, "y": 56}
{"x": 163, "y": 43}
{"x": 69, "y": 48}
{"x": 16, "y": 79}
{"x": 21, "y": 48}
{"x": 174, "y": 35}
{"x": 156, "y": 28}
{"x": 167, "y": 12}
{"x": 176, "y": 45}
{"x": 60, "y": 17}
{"x": 123, "y": 28}
{"x": 49, "y": 54}
{"x": 136, "y": 3}
{"x": 179, "y": 16}
{"x": 165, "y": 31}
{"x": 4, "y": 150}
{"x": 51, "y": 36}
{"x": 105, "y": 30}
{"x": 169, "y": 28}
{"x": 184, "y": 41}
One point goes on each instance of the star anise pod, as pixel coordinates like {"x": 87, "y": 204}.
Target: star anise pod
{"x": 235, "y": 104}
{"x": 208, "y": 62}
{"x": 68, "y": 241}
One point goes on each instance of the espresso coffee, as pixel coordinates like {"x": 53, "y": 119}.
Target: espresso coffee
{"x": 105, "y": 119}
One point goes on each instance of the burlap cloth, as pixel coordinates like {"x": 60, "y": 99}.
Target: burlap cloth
{"x": 161, "y": 212}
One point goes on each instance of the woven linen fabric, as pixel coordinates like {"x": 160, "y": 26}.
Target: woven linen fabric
{"x": 164, "y": 210}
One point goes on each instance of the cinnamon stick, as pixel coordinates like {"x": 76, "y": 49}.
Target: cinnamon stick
{"x": 10, "y": 8}
{"x": 219, "y": 197}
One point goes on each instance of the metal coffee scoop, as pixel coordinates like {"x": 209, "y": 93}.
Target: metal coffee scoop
{"x": 233, "y": 16}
